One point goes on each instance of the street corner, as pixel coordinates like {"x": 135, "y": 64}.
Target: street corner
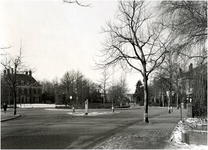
{"x": 8, "y": 116}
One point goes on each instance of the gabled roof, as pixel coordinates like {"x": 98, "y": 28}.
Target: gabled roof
{"x": 201, "y": 69}
{"x": 26, "y": 78}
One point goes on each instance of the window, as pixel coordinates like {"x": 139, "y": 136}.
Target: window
{"x": 39, "y": 91}
{"x": 20, "y": 90}
{"x": 25, "y": 91}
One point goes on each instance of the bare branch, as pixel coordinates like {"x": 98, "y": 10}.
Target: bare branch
{"x": 76, "y": 2}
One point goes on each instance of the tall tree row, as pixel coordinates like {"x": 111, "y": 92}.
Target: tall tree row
{"x": 117, "y": 92}
{"x": 73, "y": 88}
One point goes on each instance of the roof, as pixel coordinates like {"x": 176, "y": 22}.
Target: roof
{"x": 26, "y": 78}
{"x": 201, "y": 69}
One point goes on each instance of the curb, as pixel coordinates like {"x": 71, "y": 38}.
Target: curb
{"x": 14, "y": 117}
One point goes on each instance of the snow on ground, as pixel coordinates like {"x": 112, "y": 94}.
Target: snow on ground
{"x": 196, "y": 121}
{"x": 176, "y": 137}
{"x": 81, "y": 112}
{"x": 92, "y": 113}
{"x": 55, "y": 109}
{"x": 36, "y": 105}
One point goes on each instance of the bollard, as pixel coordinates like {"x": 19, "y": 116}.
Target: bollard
{"x": 112, "y": 109}
{"x": 171, "y": 108}
{"x": 86, "y": 107}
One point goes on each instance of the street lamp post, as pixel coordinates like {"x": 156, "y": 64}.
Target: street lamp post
{"x": 112, "y": 105}
{"x": 64, "y": 99}
{"x": 73, "y": 110}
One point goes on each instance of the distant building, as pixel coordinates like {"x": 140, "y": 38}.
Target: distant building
{"x": 28, "y": 89}
{"x": 187, "y": 80}
{"x": 193, "y": 84}
{"x": 130, "y": 97}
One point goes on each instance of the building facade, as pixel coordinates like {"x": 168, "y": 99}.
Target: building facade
{"x": 193, "y": 84}
{"x": 28, "y": 90}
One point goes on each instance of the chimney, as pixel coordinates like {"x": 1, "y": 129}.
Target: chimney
{"x": 8, "y": 71}
{"x": 26, "y": 72}
{"x": 5, "y": 72}
{"x": 11, "y": 70}
{"x": 30, "y": 73}
{"x": 191, "y": 67}
{"x": 180, "y": 70}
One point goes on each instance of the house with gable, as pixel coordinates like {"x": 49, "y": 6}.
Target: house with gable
{"x": 28, "y": 90}
{"x": 193, "y": 83}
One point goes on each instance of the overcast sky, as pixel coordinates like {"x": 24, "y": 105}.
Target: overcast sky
{"x": 57, "y": 37}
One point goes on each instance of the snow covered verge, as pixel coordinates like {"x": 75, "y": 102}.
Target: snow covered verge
{"x": 187, "y": 124}
{"x": 36, "y": 105}
{"x": 92, "y": 113}
{"x": 81, "y": 112}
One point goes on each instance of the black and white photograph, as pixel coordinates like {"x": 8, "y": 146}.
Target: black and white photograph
{"x": 103, "y": 74}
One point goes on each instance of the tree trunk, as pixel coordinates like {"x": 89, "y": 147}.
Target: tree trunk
{"x": 15, "y": 104}
{"x": 169, "y": 104}
{"x": 177, "y": 101}
{"x": 163, "y": 103}
{"x": 145, "y": 119}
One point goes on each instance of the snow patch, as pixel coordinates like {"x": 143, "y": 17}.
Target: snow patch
{"x": 92, "y": 113}
{"x": 176, "y": 137}
{"x": 58, "y": 109}
{"x": 36, "y": 105}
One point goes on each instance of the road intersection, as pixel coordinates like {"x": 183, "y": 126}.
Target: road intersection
{"x": 40, "y": 128}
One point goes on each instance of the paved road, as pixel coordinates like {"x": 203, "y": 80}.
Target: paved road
{"x": 40, "y": 128}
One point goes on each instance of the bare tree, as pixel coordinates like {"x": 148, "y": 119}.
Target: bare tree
{"x": 188, "y": 22}
{"x": 68, "y": 83}
{"x": 118, "y": 91}
{"x": 134, "y": 41}
{"x": 76, "y": 2}
{"x": 11, "y": 67}
{"x": 104, "y": 83}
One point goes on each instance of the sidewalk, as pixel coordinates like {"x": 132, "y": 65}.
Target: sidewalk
{"x": 9, "y": 115}
{"x": 154, "y": 135}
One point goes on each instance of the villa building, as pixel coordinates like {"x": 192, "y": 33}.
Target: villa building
{"x": 28, "y": 90}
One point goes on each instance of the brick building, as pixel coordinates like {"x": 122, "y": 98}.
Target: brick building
{"x": 194, "y": 86}
{"x": 28, "y": 90}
